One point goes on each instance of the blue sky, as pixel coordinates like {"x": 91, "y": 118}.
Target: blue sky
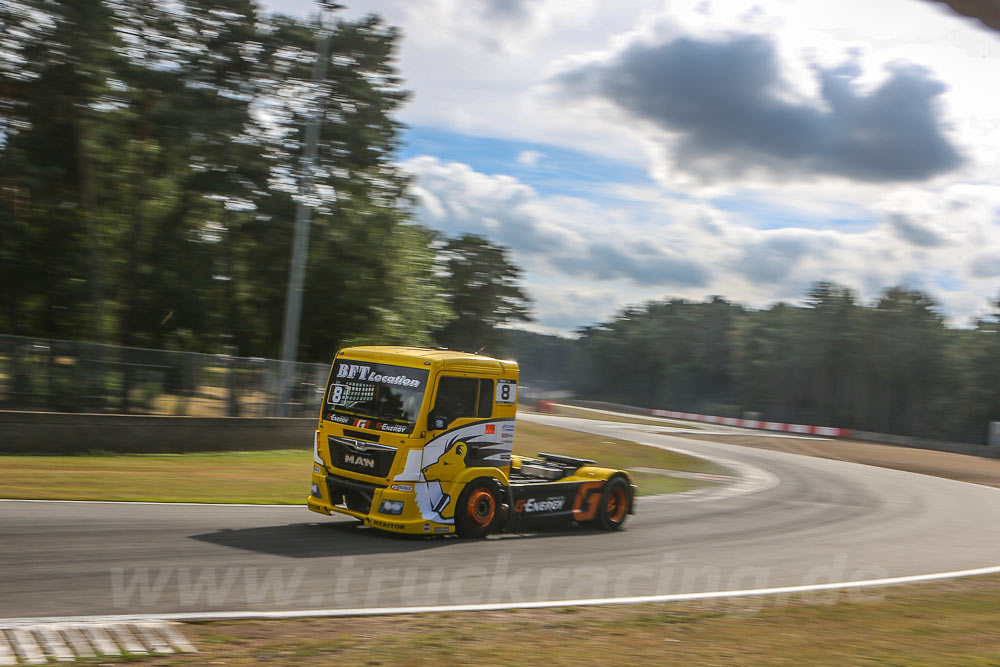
{"x": 683, "y": 148}
{"x": 549, "y": 169}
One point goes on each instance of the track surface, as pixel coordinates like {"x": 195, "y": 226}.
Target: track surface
{"x": 797, "y": 521}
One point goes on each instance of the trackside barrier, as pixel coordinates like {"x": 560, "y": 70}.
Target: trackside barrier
{"x": 969, "y": 449}
{"x": 805, "y": 429}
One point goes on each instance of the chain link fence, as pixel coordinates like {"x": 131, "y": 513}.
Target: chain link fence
{"x": 74, "y": 376}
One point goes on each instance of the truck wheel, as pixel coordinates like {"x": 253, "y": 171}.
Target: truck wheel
{"x": 478, "y": 511}
{"x": 613, "y": 510}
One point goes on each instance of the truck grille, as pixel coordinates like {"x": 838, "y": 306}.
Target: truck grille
{"x": 352, "y": 494}
{"x": 364, "y": 457}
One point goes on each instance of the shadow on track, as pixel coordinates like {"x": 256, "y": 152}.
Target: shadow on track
{"x": 349, "y": 538}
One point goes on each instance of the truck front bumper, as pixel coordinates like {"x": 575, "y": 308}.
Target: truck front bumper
{"x": 363, "y": 501}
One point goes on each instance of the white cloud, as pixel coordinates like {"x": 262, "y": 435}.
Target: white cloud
{"x": 584, "y": 261}
{"x": 530, "y": 158}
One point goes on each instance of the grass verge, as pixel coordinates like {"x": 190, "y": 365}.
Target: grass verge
{"x": 944, "y": 623}
{"x": 282, "y": 476}
{"x": 627, "y": 419}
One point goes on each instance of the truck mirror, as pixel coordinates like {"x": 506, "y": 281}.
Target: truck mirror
{"x": 436, "y": 422}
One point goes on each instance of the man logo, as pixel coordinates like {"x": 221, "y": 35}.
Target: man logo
{"x": 360, "y": 461}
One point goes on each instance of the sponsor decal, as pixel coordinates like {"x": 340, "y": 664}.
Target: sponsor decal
{"x": 441, "y": 529}
{"x": 427, "y": 527}
{"x": 507, "y": 428}
{"x": 358, "y": 422}
{"x": 506, "y": 436}
{"x": 401, "y": 487}
{"x": 378, "y": 523}
{"x": 550, "y": 504}
{"x": 360, "y": 461}
{"x": 391, "y": 428}
{"x": 369, "y": 373}
{"x": 491, "y": 428}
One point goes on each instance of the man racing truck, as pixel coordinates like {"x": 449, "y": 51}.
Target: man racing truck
{"x": 414, "y": 440}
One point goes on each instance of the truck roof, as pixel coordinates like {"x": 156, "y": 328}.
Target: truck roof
{"x": 450, "y": 359}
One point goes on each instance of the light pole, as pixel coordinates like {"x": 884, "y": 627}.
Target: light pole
{"x": 303, "y": 218}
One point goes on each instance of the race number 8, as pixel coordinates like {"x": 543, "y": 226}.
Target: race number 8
{"x": 506, "y": 391}
{"x": 337, "y": 394}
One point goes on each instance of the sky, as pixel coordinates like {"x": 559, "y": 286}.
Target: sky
{"x": 627, "y": 151}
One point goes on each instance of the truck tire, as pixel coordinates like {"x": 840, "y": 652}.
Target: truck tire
{"x": 615, "y": 501}
{"x": 477, "y": 513}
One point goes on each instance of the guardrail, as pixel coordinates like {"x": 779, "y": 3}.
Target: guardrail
{"x": 966, "y": 448}
{"x": 72, "y": 433}
{"x": 804, "y": 429}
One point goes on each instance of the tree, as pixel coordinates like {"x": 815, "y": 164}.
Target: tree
{"x": 483, "y": 290}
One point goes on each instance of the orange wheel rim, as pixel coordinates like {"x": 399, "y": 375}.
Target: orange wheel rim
{"x": 481, "y": 507}
{"x": 617, "y": 504}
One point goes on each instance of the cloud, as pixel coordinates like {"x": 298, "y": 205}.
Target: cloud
{"x": 727, "y": 105}
{"x": 643, "y": 265}
{"x": 770, "y": 260}
{"x": 915, "y": 233}
{"x": 562, "y": 234}
{"x": 530, "y": 158}
{"x": 986, "y": 266}
{"x": 585, "y": 259}
{"x": 513, "y": 11}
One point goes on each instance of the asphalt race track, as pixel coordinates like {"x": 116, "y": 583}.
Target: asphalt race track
{"x": 791, "y": 520}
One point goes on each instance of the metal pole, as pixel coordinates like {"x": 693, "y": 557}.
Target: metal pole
{"x": 303, "y": 215}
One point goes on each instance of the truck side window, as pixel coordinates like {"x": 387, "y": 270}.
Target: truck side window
{"x": 461, "y": 397}
{"x": 485, "y": 399}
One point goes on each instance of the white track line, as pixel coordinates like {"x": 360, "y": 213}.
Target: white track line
{"x": 147, "y": 632}
{"x": 7, "y": 656}
{"x": 176, "y": 639}
{"x": 128, "y": 641}
{"x": 27, "y": 647}
{"x": 76, "y": 641}
{"x": 16, "y": 623}
{"x": 53, "y": 643}
{"x": 100, "y": 639}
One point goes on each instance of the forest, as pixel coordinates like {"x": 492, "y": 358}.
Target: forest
{"x": 152, "y": 161}
{"x": 891, "y": 366}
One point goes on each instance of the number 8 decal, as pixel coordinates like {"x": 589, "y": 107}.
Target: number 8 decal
{"x": 337, "y": 394}
{"x": 506, "y": 391}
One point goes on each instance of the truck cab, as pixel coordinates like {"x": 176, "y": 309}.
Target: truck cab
{"x": 416, "y": 440}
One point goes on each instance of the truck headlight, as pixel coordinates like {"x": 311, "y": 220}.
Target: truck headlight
{"x": 391, "y": 507}
{"x": 315, "y": 493}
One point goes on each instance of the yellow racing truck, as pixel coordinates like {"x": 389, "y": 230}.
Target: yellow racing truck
{"x": 420, "y": 441}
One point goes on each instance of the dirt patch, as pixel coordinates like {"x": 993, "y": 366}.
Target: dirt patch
{"x": 961, "y": 467}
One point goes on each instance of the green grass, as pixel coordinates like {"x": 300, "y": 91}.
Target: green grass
{"x": 531, "y": 438}
{"x": 268, "y": 477}
{"x": 282, "y": 476}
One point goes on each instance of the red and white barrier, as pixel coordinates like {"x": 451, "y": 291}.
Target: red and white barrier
{"x": 805, "y": 429}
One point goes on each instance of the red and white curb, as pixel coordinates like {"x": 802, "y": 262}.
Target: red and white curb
{"x": 804, "y": 429}
{"x": 38, "y": 643}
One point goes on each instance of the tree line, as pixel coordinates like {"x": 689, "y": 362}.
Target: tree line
{"x": 891, "y": 366}
{"x": 151, "y": 161}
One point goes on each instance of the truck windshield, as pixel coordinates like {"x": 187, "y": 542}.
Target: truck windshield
{"x": 376, "y": 396}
